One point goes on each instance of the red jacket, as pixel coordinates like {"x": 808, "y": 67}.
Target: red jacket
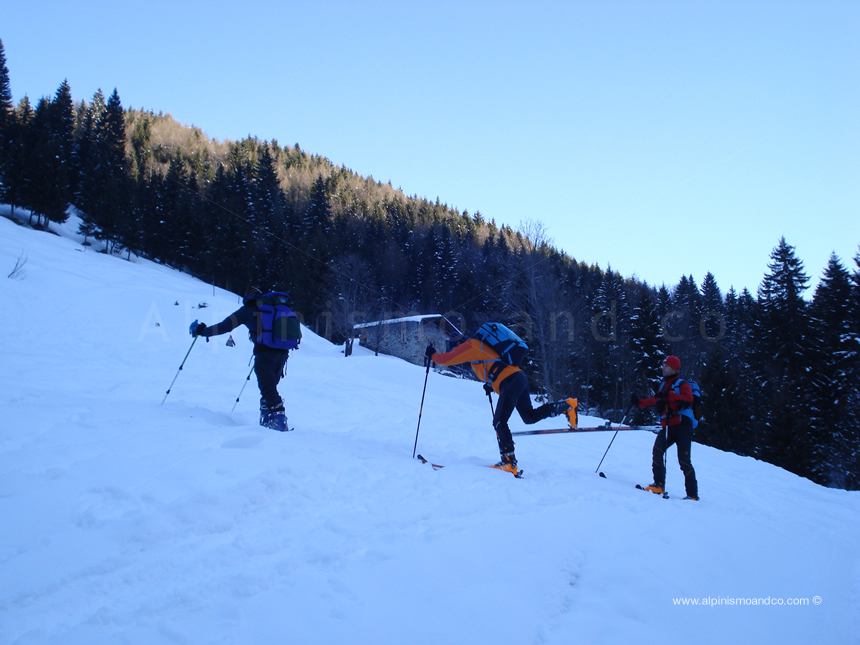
{"x": 481, "y": 357}
{"x": 676, "y": 401}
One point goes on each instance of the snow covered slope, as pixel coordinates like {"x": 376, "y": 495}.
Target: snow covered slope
{"x": 123, "y": 520}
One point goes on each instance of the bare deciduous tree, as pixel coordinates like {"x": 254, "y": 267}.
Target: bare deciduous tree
{"x": 18, "y": 272}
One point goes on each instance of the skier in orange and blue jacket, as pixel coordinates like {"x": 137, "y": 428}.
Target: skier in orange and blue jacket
{"x": 512, "y": 386}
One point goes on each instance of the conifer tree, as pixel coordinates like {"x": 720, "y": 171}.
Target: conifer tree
{"x": 144, "y": 208}
{"x": 104, "y": 187}
{"x": 6, "y": 105}
{"x": 738, "y": 319}
{"x": 271, "y": 225}
{"x": 725, "y": 424}
{"x": 785, "y": 322}
{"x": 837, "y": 338}
{"x": 663, "y": 304}
{"x": 7, "y": 121}
{"x": 114, "y": 203}
{"x": 855, "y": 300}
{"x": 315, "y": 222}
{"x": 833, "y": 316}
{"x": 62, "y": 131}
{"x": 14, "y": 181}
{"x": 785, "y": 354}
{"x": 747, "y": 361}
{"x": 647, "y": 346}
{"x": 85, "y": 163}
{"x": 683, "y": 321}
{"x": 441, "y": 286}
{"x": 229, "y": 257}
{"x": 607, "y": 345}
{"x": 494, "y": 263}
{"x": 46, "y": 185}
{"x": 421, "y": 267}
{"x": 175, "y": 207}
{"x": 852, "y": 403}
{"x": 712, "y": 316}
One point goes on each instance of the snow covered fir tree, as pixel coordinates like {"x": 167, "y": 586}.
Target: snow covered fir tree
{"x": 779, "y": 369}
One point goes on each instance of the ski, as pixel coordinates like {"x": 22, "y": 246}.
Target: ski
{"x": 519, "y": 474}
{"x": 424, "y": 461}
{"x": 654, "y": 429}
{"x": 640, "y": 487}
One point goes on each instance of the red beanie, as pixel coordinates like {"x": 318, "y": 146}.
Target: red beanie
{"x": 674, "y": 362}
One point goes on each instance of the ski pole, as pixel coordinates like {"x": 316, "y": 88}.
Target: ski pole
{"x": 623, "y": 419}
{"x": 180, "y": 369}
{"x": 421, "y": 409}
{"x": 665, "y": 450}
{"x": 243, "y": 387}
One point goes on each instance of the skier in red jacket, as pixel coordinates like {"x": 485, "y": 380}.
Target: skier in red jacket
{"x": 672, "y": 400}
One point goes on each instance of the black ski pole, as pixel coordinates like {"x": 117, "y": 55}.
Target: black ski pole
{"x": 243, "y": 387}
{"x": 421, "y": 409}
{"x": 180, "y": 369}
{"x": 623, "y": 419}
{"x": 665, "y": 450}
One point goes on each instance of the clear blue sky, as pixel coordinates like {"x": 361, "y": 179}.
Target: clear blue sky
{"x": 661, "y": 138}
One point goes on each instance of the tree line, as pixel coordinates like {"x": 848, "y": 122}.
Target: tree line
{"x": 780, "y": 373}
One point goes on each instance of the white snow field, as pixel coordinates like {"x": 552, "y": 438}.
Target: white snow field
{"x": 123, "y": 520}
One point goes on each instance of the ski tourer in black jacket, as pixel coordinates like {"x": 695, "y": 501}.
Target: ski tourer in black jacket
{"x": 269, "y": 363}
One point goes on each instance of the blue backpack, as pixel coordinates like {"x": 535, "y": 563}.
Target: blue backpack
{"x": 696, "y": 410}
{"x": 511, "y": 348}
{"x": 279, "y": 324}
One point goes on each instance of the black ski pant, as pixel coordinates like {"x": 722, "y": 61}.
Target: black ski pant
{"x": 514, "y": 395}
{"x": 682, "y": 436}
{"x": 269, "y": 366}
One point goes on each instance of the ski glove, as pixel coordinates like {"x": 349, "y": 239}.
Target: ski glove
{"x": 196, "y": 328}
{"x": 634, "y": 400}
{"x": 428, "y": 353}
{"x": 488, "y": 389}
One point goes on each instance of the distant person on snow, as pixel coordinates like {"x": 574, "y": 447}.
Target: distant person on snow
{"x": 673, "y": 402}
{"x": 269, "y": 362}
{"x": 512, "y": 386}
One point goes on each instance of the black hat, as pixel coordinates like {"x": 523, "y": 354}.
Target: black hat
{"x": 251, "y": 294}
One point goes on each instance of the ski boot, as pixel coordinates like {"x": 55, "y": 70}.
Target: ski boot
{"x": 508, "y": 464}
{"x": 657, "y": 489}
{"x": 572, "y": 416}
{"x": 567, "y": 408}
{"x": 274, "y": 419}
